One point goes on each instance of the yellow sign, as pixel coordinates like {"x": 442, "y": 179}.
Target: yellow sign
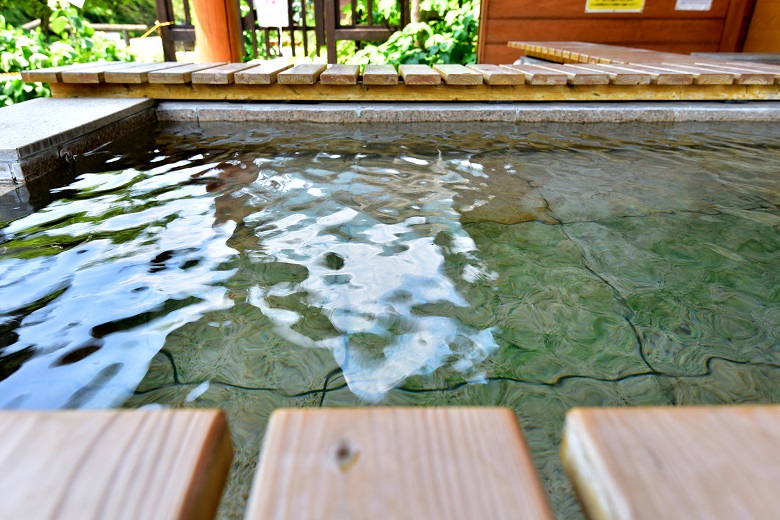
{"x": 614, "y": 6}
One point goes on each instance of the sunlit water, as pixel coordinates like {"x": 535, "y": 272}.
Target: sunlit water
{"x": 538, "y": 268}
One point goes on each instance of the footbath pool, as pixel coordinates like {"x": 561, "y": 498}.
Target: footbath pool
{"x": 538, "y": 267}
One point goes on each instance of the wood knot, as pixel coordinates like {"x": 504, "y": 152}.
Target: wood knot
{"x": 345, "y": 454}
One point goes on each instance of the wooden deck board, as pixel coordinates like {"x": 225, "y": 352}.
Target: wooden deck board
{"x": 180, "y": 75}
{"x": 495, "y": 75}
{"x": 419, "y": 75}
{"x": 53, "y": 74}
{"x": 307, "y": 74}
{"x": 89, "y": 73}
{"x": 458, "y": 75}
{"x": 380, "y": 75}
{"x": 341, "y": 75}
{"x": 222, "y": 75}
{"x": 675, "y": 463}
{"x": 539, "y": 75}
{"x": 396, "y": 463}
{"x": 137, "y": 74}
{"x": 118, "y": 464}
{"x": 264, "y": 74}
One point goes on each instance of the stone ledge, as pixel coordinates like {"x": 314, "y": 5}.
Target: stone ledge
{"x": 649, "y": 112}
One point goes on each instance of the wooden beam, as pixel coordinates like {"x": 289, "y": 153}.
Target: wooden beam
{"x": 396, "y": 463}
{"x": 362, "y": 92}
{"x": 118, "y": 464}
{"x": 713, "y": 462}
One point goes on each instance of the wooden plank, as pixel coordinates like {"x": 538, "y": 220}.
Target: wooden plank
{"x": 744, "y": 75}
{"x": 538, "y": 75}
{"x": 702, "y": 76}
{"x": 93, "y": 74}
{"x": 579, "y": 76}
{"x": 419, "y": 75}
{"x": 656, "y": 77}
{"x": 495, "y": 75}
{"x": 675, "y": 462}
{"x": 567, "y": 9}
{"x": 180, "y": 75}
{"x": 341, "y": 75}
{"x": 380, "y": 75}
{"x": 139, "y": 74}
{"x": 458, "y": 75}
{"x": 265, "y": 74}
{"x": 118, "y": 464}
{"x": 221, "y": 75}
{"x": 763, "y": 35}
{"x": 306, "y": 74}
{"x": 617, "y": 77}
{"x": 396, "y": 463}
{"x": 53, "y": 74}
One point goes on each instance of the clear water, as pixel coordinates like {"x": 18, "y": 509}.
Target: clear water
{"x": 535, "y": 267}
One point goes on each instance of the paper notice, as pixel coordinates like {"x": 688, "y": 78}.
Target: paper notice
{"x": 272, "y": 13}
{"x": 614, "y": 6}
{"x": 693, "y": 5}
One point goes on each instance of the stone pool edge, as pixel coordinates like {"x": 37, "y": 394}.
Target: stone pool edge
{"x": 647, "y": 112}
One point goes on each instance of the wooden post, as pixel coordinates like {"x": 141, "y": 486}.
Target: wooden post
{"x": 218, "y": 30}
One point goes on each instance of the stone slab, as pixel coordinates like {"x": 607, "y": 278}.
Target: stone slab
{"x": 30, "y": 127}
{"x": 35, "y": 134}
{"x": 650, "y": 112}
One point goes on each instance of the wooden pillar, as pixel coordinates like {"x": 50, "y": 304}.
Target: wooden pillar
{"x": 218, "y": 30}
{"x": 764, "y": 32}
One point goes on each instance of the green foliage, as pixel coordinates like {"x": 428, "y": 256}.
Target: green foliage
{"x": 73, "y": 41}
{"x": 448, "y": 36}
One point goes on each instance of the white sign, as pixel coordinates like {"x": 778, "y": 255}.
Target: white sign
{"x": 693, "y": 5}
{"x": 272, "y": 13}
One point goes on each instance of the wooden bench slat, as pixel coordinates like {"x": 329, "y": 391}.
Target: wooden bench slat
{"x": 136, "y": 75}
{"x": 306, "y": 74}
{"x": 616, "y": 77}
{"x": 419, "y": 75}
{"x": 578, "y": 76}
{"x": 340, "y": 75}
{"x": 495, "y": 75}
{"x": 118, "y": 464}
{"x": 713, "y": 462}
{"x": 539, "y": 76}
{"x": 182, "y": 74}
{"x": 53, "y": 74}
{"x": 222, "y": 75}
{"x": 264, "y": 74}
{"x": 94, "y": 74}
{"x": 396, "y": 463}
{"x": 380, "y": 75}
{"x": 458, "y": 75}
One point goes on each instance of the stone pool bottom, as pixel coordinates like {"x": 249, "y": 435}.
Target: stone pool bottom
{"x": 538, "y": 267}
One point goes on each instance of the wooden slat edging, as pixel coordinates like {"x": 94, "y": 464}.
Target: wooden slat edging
{"x": 380, "y": 75}
{"x": 340, "y": 75}
{"x": 539, "y": 76}
{"x": 222, "y": 75}
{"x": 118, "y": 464}
{"x": 419, "y": 75}
{"x": 675, "y": 463}
{"x": 139, "y": 74}
{"x": 306, "y": 74}
{"x": 264, "y": 74}
{"x": 394, "y": 464}
{"x": 180, "y": 75}
{"x": 458, "y": 75}
{"x": 53, "y": 74}
{"x": 360, "y": 92}
{"x": 495, "y": 75}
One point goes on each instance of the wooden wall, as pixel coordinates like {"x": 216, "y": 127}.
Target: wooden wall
{"x": 764, "y": 32}
{"x": 659, "y": 27}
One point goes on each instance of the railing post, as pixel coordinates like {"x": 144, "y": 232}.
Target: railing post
{"x": 165, "y": 14}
